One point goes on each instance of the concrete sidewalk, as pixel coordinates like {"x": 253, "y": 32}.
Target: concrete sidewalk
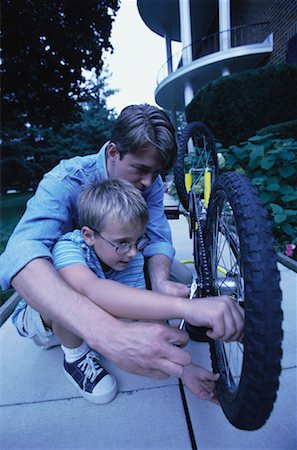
{"x": 40, "y": 409}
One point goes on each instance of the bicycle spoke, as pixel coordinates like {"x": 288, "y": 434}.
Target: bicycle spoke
{"x": 227, "y": 279}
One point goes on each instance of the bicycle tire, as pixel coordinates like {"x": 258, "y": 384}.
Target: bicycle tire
{"x": 237, "y": 220}
{"x": 199, "y": 133}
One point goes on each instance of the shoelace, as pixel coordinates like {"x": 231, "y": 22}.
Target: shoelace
{"x": 91, "y": 367}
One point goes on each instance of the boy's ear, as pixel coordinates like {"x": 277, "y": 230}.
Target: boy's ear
{"x": 88, "y": 235}
{"x": 112, "y": 151}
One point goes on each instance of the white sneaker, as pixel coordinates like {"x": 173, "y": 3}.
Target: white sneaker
{"x": 91, "y": 379}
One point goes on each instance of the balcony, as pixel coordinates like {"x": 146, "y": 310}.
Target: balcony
{"x": 239, "y": 48}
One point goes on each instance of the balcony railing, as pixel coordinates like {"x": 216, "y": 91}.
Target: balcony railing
{"x": 259, "y": 33}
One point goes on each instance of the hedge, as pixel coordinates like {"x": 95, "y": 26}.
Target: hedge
{"x": 236, "y": 106}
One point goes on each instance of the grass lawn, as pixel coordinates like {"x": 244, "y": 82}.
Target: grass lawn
{"x": 12, "y": 207}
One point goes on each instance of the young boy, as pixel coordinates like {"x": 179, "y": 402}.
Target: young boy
{"x": 113, "y": 216}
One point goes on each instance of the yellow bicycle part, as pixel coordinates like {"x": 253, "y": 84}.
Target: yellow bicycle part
{"x": 191, "y": 261}
{"x": 207, "y": 186}
{"x": 187, "y": 261}
{"x": 188, "y": 181}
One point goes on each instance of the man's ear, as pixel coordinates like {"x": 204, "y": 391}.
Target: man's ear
{"x": 112, "y": 151}
{"x": 88, "y": 235}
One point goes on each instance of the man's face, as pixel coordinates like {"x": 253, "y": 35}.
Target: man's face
{"x": 140, "y": 169}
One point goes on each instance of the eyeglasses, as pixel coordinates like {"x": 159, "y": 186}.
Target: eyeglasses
{"x": 125, "y": 247}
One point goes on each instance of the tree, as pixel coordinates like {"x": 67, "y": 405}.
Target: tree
{"x": 45, "y": 45}
{"x": 30, "y": 151}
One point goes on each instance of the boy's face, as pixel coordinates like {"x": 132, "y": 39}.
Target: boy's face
{"x": 114, "y": 234}
{"x": 141, "y": 169}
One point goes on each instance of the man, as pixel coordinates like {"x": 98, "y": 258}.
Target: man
{"x": 142, "y": 145}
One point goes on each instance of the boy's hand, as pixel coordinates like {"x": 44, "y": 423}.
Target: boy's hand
{"x": 221, "y": 315}
{"x": 200, "y": 382}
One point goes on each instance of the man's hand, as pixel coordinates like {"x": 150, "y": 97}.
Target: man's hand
{"x": 200, "y": 382}
{"x": 222, "y": 315}
{"x": 149, "y": 349}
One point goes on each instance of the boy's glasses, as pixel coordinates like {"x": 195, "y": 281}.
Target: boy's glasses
{"x": 125, "y": 247}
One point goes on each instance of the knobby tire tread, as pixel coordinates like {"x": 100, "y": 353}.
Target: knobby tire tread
{"x": 250, "y": 406}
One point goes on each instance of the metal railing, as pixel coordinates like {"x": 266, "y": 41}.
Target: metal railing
{"x": 258, "y": 33}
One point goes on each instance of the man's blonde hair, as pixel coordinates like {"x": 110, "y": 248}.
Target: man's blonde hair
{"x": 140, "y": 125}
{"x": 113, "y": 198}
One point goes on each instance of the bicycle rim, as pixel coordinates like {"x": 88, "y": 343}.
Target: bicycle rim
{"x": 242, "y": 263}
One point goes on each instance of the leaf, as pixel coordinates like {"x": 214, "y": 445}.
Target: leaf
{"x": 255, "y": 156}
{"x": 288, "y": 229}
{"x": 289, "y": 198}
{"x": 289, "y": 156}
{"x": 239, "y": 152}
{"x": 273, "y": 187}
{"x": 266, "y": 197}
{"x": 276, "y": 208}
{"x": 279, "y": 218}
{"x": 258, "y": 139}
{"x": 291, "y": 213}
{"x": 286, "y": 171}
{"x": 267, "y": 162}
{"x": 286, "y": 189}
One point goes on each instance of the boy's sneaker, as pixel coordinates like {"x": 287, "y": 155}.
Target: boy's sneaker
{"x": 91, "y": 379}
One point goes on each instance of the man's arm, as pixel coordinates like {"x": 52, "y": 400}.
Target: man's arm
{"x": 159, "y": 271}
{"x": 48, "y": 213}
{"x": 149, "y": 349}
{"x": 160, "y": 252}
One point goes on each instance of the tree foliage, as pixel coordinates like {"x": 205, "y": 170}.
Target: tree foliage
{"x": 30, "y": 151}
{"x": 49, "y": 111}
{"x": 45, "y": 44}
{"x": 271, "y": 163}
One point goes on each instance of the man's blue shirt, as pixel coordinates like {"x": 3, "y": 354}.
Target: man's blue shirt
{"x": 52, "y": 212}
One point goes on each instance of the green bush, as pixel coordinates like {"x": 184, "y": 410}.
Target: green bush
{"x": 236, "y": 106}
{"x": 271, "y": 164}
{"x": 281, "y": 130}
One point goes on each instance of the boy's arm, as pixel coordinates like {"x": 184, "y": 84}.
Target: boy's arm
{"x": 121, "y": 300}
{"x": 221, "y": 315}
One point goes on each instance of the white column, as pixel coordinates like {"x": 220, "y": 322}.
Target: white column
{"x": 225, "y": 72}
{"x": 188, "y": 92}
{"x": 185, "y": 30}
{"x": 224, "y": 24}
{"x": 186, "y": 40}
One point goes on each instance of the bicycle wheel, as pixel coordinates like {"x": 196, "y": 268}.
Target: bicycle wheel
{"x": 203, "y": 156}
{"x": 242, "y": 261}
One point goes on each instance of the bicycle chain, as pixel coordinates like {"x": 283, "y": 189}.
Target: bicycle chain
{"x": 204, "y": 285}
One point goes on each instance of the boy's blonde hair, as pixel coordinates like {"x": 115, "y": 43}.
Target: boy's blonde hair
{"x": 113, "y": 198}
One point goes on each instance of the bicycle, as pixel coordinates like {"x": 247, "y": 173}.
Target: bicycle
{"x": 233, "y": 255}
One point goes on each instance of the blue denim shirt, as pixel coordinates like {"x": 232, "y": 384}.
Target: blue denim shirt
{"x": 52, "y": 212}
